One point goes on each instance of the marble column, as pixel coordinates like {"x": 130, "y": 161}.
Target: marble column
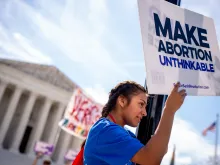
{"x": 76, "y": 144}
{"x": 40, "y": 125}
{"x": 9, "y": 113}
{"x": 2, "y": 89}
{"x": 65, "y": 146}
{"x": 23, "y": 122}
{"x": 54, "y": 128}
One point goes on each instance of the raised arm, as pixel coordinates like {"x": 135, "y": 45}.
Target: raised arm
{"x": 153, "y": 152}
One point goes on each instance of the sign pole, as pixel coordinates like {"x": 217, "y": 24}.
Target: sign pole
{"x": 216, "y": 140}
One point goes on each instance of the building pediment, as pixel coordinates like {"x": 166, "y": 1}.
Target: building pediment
{"x": 47, "y": 73}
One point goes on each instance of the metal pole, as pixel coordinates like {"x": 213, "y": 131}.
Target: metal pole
{"x": 216, "y": 141}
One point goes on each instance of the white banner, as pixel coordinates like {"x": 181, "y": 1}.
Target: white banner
{"x": 81, "y": 113}
{"x": 179, "y": 45}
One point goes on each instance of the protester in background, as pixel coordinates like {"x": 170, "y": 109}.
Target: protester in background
{"x": 108, "y": 143}
{"x": 38, "y": 156}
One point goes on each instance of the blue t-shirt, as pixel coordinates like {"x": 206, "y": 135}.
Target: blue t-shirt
{"x": 110, "y": 144}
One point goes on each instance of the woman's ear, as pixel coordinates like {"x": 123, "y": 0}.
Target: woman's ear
{"x": 122, "y": 101}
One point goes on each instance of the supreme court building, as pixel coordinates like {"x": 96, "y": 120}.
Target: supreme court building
{"x": 33, "y": 99}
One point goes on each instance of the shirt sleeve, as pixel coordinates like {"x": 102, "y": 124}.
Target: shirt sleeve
{"x": 116, "y": 146}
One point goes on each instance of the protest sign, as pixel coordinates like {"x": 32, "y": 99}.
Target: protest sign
{"x": 81, "y": 113}
{"x": 44, "y": 148}
{"x": 70, "y": 155}
{"x": 179, "y": 45}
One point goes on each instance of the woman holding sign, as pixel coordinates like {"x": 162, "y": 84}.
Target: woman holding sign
{"x": 109, "y": 143}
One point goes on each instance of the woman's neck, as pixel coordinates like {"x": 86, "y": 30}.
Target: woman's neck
{"x": 117, "y": 117}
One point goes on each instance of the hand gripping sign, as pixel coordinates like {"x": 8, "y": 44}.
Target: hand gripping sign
{"x": 179, "y": 45}
{"x": 81, "y": 113}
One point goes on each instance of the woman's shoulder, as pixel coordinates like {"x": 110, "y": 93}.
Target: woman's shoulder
{"x": 105, "y": 127}
{"x": 103, "y": 123}
{"x": 102, "y": 128}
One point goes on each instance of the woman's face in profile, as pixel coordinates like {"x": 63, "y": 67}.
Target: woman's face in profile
{"x": 135, "y": 110}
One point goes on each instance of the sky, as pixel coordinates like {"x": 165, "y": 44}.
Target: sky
{"x": 97, "y": 44}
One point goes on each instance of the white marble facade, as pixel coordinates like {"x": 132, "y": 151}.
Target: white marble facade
{"x": 32, "y": 101}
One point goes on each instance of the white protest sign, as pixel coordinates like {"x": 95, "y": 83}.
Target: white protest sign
{"x": 43, "y": 147}
{"x": 81, "y": 113}
{"x": 179, "y": 45}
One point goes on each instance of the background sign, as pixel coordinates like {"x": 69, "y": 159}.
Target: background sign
{"x": 179, "y": 45}
{"x": 81, "y": 113}
{"x": 70, "y": 155}
{"x": 45, "y": 148}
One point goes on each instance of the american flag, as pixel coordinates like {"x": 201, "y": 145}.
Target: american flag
{"x": 210, "y": 128}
